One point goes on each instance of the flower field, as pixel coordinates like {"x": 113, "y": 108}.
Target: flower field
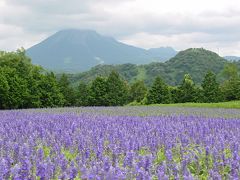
{"x": 120, "y": 143}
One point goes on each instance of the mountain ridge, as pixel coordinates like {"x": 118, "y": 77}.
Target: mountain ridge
{"x": 78, "y": 50}
{"x": 195, "y": 61}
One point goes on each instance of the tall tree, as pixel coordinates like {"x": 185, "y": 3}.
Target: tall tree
{"x": 231, "y": 85}
{"x": 187, "y": 90}
{"x": 117, "y": 90}
{"x": 98, "y": 92}
{"x": 231, "y": 89}
{"x": 211, "y": 90}
{"x": 34, "y": 78}
{"x": 4, "y": 88}
{"x": 175, "y": 94}
{"x": 18, "y": 89}
{"x": 67, "y": 91}
{"x": 230, "y": 71}
{"x": 138, "y": 91}
{"x": 82, "y": 95}
{"x": 50, "y": 94}
{"x": 159, "y": 93}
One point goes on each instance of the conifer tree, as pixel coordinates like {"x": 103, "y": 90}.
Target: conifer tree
{"x": 231, "y": 85}
{"x": 231, "y": 89}
{"x": 98, "y": 92}
{"x": 4, "y": 88}
{"x": 187, "y": 90}
{"x": 159, "y": 93}
{"x": 211, "y": 90}
{"x": 82, "y": 95}
{"x": 50, "y": 94}
{"x": 67, "y": 91}
{"x": 138, "y": 91}
{"x": 117, "y": 90}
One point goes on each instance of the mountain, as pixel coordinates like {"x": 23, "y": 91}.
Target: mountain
{"x": 232, "y": 58}
{"x": 195, "y": 61}
{"x": 78, "y": 50}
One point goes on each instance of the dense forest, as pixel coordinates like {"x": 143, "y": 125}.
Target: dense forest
{"x": 195, "y": 61}
{"x": 24, "y": 85}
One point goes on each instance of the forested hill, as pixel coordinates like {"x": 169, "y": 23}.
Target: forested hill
{"x": 24, "y": 85}
{"x": 195, "y": 61}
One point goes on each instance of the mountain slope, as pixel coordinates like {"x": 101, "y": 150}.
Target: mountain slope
{"x": 79, "y": 50}
{"x": 196, "y": 62}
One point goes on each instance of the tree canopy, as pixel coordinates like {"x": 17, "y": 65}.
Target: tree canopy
{"x": 24, "y": 85}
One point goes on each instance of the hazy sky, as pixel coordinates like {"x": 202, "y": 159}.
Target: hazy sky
{"x": 212, "y": 24}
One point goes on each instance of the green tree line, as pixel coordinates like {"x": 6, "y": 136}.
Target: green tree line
{"x": 24, "y": 85}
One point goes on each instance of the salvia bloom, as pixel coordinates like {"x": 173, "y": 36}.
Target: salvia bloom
{"x": 120, "y": 143}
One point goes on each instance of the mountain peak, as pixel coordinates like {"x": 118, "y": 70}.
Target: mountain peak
{"x": 80, "y": 49}
{"x": 74, "y": 35}
{"x": 199, "y": 54}
{"x": 197, "y": 60}
{"x": 77, "y": 31}
{"x": 199, "y": 50}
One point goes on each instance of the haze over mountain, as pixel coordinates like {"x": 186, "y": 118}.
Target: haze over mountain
{"x": 162, "y": 53}
{"x": 75, "y": 50}
{"x": 232, "y": 58}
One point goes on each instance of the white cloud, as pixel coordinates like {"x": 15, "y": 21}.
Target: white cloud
{"x": 213, "y": 24}
{"x": 184, "y": 41}
{"x": 2, "y": 3}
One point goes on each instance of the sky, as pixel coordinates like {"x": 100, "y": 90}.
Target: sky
{"x": 181, "y": 24}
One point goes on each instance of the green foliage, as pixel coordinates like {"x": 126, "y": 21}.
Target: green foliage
{"x": 4, "y": 89}
{"x": 35, "y": 77}
{"x": 67, "y": 90}
{"x": 231, "y": 89}
{"x": 17, "y": 92}
{"x": 187, "y": 90}
{"x": 23, "y": 85}
{"x": 98, "y": 92}
{"x": 159, "y": 93}
{"x": 231, "y": 85}
{"x": 50, "y": 94}
{"x": 135, "y": 103}
{"x": 160, "y": 157}
{"x": 201, "y": 165}
{"x": 82, "y": 95}
{"x": 175, "y": 94}
{"x": 129, "y": 72}
{"x": 138, "y": 91}
{"x": 196, "y": 62}
{"x": 231, "y": 105}
{"x": 211, "y": 90}
{"x": 117, "y": 90}
{"x": 46, "y": 151}
{"x": 143, "y": 151}
{"x": 230, "y": 71}
{"x": 69, "y": 155}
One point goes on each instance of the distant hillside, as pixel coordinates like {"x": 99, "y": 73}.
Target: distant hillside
{"x": 232, "y": 58}
{"x": 79, "y": 50}
{"x": 196, "y": 62}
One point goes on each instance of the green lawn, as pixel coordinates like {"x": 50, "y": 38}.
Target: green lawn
{"x": 231, "y": 104}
